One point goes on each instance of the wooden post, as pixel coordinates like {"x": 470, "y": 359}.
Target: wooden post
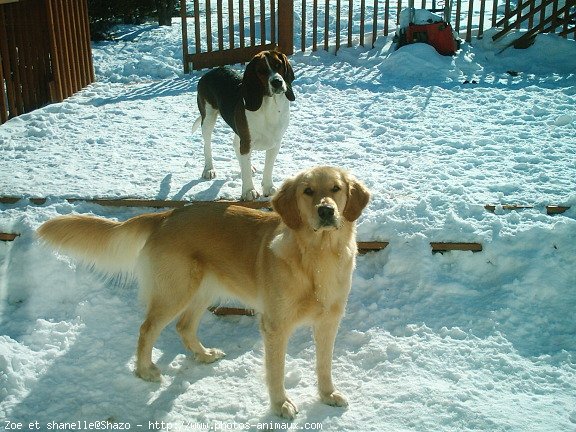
{"x": 286, "y": 26}
{"x": 185, "y": 62}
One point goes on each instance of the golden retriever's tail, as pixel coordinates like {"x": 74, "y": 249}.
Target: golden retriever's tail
{"x": 110, "y": 246}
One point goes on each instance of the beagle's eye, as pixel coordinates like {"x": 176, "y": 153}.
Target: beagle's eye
{"x": 308, "y": 191}
{"x": 336, "y": 189}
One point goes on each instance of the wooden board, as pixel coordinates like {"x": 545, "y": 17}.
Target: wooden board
{"x": 137, "y": 202}
{"x": 8, "y": 236}
{"x": 455, "y": 246}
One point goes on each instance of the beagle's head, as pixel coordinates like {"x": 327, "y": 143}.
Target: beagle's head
{"x": 321, "y": 199}
{"x": 269, "y": 73}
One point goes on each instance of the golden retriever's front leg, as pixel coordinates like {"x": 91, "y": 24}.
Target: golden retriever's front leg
{"x": 275, "y": 343}
{"x": 324, "y": 335}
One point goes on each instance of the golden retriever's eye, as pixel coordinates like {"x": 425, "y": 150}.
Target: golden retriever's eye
{"x": 308, "y": 191}
{"x": 336, "y": 189}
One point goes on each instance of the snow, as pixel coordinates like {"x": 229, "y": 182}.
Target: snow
{"x": 459, "y": 341}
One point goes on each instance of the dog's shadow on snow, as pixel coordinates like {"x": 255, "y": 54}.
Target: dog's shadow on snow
{"x": 165, "y": 189}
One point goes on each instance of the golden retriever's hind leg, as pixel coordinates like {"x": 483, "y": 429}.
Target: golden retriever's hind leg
{"x": 169, "y": 293}
{"x": 187, "y": 327}
{"x": 159, "y": 316}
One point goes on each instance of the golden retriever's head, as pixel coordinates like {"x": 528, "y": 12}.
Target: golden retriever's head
{"x": 321, "y": 199}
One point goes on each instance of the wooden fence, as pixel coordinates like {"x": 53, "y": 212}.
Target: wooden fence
{"x": 243, "y": 44}
{"x": 45, "y": 53}
{"x": 221, "y": 37}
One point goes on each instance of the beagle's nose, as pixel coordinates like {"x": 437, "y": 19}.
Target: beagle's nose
{"x": 276, "y": 82}
{"x": 326, "y": 212}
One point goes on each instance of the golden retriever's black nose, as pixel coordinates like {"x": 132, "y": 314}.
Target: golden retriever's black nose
{"x": 326, "y": 212}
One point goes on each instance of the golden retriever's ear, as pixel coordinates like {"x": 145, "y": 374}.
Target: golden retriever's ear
{"x": 358, "y": 197}
{"x": 286, "y": 205}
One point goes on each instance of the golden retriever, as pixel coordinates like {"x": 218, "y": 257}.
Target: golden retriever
{"x": 293, "y": 266}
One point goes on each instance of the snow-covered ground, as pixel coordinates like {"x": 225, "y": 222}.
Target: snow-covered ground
{"x": 430, "y": 342}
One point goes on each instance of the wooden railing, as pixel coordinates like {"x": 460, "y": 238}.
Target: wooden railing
{"x": 546, "y": 17}
{"x": 328, "y": 24}
{"x": 45, "y": 53}
{"x": 243, "y": 45}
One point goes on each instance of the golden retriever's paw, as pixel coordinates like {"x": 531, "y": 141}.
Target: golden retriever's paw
{"x": 209, "y": 173}
{"x": 150, "y": 373}
{"x": 210, "y": 355}
{"x": 285, "y": 409}
{"x": 250, "y": 195}
{"x": 335, "y": 398}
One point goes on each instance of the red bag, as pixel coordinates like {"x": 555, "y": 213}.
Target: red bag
{"x": 438, "y": 34}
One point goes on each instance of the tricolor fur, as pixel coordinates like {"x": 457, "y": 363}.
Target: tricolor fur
{"x": 256, "y": 105}
{"x": 293, "y": 267}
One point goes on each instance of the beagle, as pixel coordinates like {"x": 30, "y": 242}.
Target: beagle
{"x": 255, "y": 105}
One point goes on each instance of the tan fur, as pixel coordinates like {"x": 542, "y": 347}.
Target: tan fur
{"x": 293, "y": 266}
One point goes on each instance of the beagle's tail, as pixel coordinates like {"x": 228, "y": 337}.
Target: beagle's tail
{"x": 112, "y": 247}
{"x": 197, "y": 124}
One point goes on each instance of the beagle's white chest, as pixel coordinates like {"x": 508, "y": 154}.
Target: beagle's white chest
{"x": 268, "y": 124}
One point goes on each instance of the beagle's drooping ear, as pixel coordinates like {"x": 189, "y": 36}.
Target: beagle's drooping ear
{"x": 288, "y": 77}
{"x": 358, "y": 197}
{"x": 285, "y": 204}
{"x": 252, "y": 89}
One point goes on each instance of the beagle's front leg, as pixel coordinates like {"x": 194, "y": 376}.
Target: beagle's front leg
{"x": 267, "y": 184}
{"x": 249, "y": 192}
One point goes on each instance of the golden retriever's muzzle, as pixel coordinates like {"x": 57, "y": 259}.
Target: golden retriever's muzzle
{"x": 328, "y": 217}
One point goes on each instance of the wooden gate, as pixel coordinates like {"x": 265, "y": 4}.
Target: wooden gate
{"x": 45, "y": 53}
{"x": 252, "y": 26}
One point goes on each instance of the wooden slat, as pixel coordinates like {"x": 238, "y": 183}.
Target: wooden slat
{"x": 273, "y": 22}
{"x": 220, "y": 58}
{"x": 137, "y": 202}
{"x": 3, "y": 54}
{"x": 469, "y": 23}
{"x": 13, "y": 59}
{"x": 326, "y": 24}
{"x": 252, "y": 13}
{"x": 365, "y": 247}
{"x": 226, "y": 311}
{"x": 337, "y": 30}
{"x": 555, "y": 209}
{"x": 350, "y": 18}
{"x": 208, "y": 26}
{"x": 362, "y": 19}
{"x": 262, "y": 22}
{"x": 303, "y": 29}
{"x": 315, "y": 26}
{"x": 8, "y": 236}
{"x": 220, "y": 20}
{"x": 375, "y": 23}
{"x": 24, "y": 61}
{"x": 386, "y": 17}
{"x": 241, "y": 23}
{"x": 455, "y": 246}
{"x": 56, "y": 89}
{"x": 231, "y": 23}
{"x": 492, "y": 208}
{"x": 197, "y": 41}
